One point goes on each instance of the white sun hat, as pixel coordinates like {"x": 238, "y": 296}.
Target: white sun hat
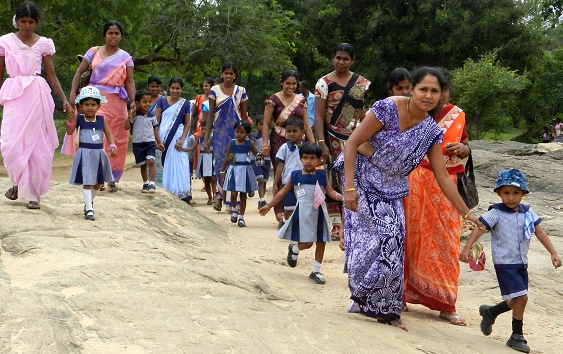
{"x": 90, "y": 92}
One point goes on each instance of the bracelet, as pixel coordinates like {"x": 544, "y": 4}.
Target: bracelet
{"x": 320, "y": 141}
{"x": 350, "y": 189}
{"x": 266, "y": 147}
{"x": 70, "y": 124}
{"x": 466, "y": 215}
{"x": 113, "y": 146}
{"x": 222, "y": 172}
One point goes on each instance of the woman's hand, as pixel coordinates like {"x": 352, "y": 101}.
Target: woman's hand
{"x": 455, "y": 148}
{"x": 351, "y": 200}
{"x": 206, "y": 146}
{"x": 326, "y": 152}
{"x": 179, "y": 144}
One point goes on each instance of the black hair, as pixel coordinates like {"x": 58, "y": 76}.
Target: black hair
{"x": 108, "y": 24}
{"x": 230, "y": 65}
{"x": 139, "y": 95}
{"x": 210, "y": 81}
{"x": 244, "y": 124}
{"x": 289, "y": 73}
{"x": 97, "y": 100}
{"x": 176, "y": 80}
{"x": 422, "y": 72}
{"x": 447, "y": 79}
{"x": 27, "y": 9}
{"x": 295, "y": 122}
{"x": 154, "y": 78}
{"x": 304, "y": 83}
{"x": 310, "y": 149}
{"x": 258, "y": 119}
{"x": 345, "y": 47}
{"x": 397, "y": 75}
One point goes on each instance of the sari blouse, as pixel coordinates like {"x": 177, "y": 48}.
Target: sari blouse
{"x": 283, "y": 113}
{"x": 109, "y": 74}
{"x": 333, "y": 93}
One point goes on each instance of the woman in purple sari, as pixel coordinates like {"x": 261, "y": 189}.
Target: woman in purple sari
{"x": 395, "y": 135}
{"x": 112, "y": 74}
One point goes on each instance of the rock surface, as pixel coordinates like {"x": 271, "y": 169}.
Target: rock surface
{"x": 153, "y": 275}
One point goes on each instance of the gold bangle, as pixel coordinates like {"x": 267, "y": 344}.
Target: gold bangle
{"x": 466, "y": 215}
{"x": 320, "y": 141}
{"x": 265, "y": 147}
{"x": 350, "y": 189}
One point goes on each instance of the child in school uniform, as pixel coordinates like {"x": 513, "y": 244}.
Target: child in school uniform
{"x": 144, "y": 128}
{"x": 90, "y": 166}
{"x": 239, "y": 177}
{"x": 205, "y": 165}
{"x": 262, "y": 171}
{"x": 309, "y": 222}
{"x": 289, "y": 161}
{"x": 512, "y": 225}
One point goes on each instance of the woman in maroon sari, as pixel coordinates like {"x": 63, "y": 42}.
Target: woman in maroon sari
{"x": 339, "y": 102}
{"x": 280, "y": 107}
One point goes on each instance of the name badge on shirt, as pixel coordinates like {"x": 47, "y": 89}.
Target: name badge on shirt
{"x": 300, "y": 193}
{"x": 95, "y": 137}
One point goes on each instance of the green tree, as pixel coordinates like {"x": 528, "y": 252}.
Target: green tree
{"x": 488, "y": 93}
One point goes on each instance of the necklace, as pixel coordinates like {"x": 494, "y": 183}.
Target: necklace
{"x": 336, "y": 78}
{"x": 408, "y": 114}
{"x": 287, "y": 101}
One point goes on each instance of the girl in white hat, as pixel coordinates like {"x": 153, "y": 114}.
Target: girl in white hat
{"x": 90, "y": 166}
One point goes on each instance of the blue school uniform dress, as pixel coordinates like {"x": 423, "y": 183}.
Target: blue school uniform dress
{"x": 307, "y": 224}
{"x": 205, "y": 161}
{"x": 510, "y": 241}
{"x": 261, "y": 172}
{"x": 288, "y": 154}
{"x": 240, "y": 176}
{"x": 90, "y": 165}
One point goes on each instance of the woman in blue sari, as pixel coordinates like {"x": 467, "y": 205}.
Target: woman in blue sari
{"x": 173, "y": 113}
{"x": 228, "y": 101}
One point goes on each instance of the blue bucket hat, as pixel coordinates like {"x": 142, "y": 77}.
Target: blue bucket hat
{"x": 512, "y": 177}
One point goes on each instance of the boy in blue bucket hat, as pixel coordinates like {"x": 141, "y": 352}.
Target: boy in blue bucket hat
{"x": 512, "y": 225}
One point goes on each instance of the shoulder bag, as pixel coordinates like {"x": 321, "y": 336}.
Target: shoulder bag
{"x": 466, "y": 185}
{"x": 85, "y": 76}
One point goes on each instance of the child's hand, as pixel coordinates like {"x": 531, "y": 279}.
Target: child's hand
{"x": 112, "y": 151}
{"x": 160, "y": 146}
{"x": 275, "y": 189}
{"x": 264, "y": 210}
{"x": 555, "y": 260}
{"x": 464, "y": 255}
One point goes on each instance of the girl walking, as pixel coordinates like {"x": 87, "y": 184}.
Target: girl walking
{"x": 239, "y": 178}
{"x": 90, "y": 166}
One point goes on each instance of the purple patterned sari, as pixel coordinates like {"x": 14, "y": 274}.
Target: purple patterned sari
{"x": 374, "y": 236}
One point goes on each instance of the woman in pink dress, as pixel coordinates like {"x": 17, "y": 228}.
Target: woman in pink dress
{"x": 28, "y": 136}
{"x": 112, "y": 74}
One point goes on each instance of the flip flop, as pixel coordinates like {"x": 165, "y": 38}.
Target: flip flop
{"x": 112, "y": 187}
{"x": 456, "y": 320}
{"x": 12, "y": 193}
{"x": 33, "y": 205}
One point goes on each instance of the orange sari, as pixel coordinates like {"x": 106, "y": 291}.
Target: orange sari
{"x": 433, "y": 228}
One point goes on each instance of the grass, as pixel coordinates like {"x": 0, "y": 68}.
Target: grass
{"x": 506, "y": 135}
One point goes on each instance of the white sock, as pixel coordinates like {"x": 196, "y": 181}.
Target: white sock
{"x": 317, "y": 267}
{"x": 295, "y": 249}
{"x": 241, "y": 217}
{"x": 145, "y": 182}
{"x": 262, "y": 199}
{"x": 94, "y": 194}
{"x": 87, "y": 198}
{"x": 235, "y": 212}
{"x": 151, "y": 182}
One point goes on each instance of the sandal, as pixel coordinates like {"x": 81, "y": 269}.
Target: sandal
{"x": 112, "y": 187}
{"x": 33, "y": 205}
{"x": 394, "y": 323}
{"x": 102, "y": 188}
{"x": 210, "y": 202}
{"x": 12, "y": 193}
{"x": 218, "y": 204}
{"x": 454, "y": 319}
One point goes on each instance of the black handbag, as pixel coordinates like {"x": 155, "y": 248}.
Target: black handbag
{"x": 466, "y": 185}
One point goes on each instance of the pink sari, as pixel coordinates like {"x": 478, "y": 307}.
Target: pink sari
{"x": 28, "y": 136}
{"x": 109, "y": 75}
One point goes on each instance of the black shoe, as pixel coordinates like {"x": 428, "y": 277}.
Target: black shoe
{"x": 262, "y": 203}
{"x": 234, "y": 218}
{"x": 145, "y": 188}
{"x": 317, "y": 277}
{"x": 250, "y": 194}
{"x": 517, "y": 342}
{"x": 292, "y": 262}
{"x": 280, "y": 224}
{"x": 488, "y": 319}
{"x": 151, "y": 189}
{"x": 89, "y": 215}
{"x": 241, "y": 223}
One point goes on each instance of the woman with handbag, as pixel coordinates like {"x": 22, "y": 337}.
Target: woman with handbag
{"x": 279, "y": 108}
{"x": 339, "y": 103}
{"x": 111, "y": 73}
{"x": 433, "y": 224}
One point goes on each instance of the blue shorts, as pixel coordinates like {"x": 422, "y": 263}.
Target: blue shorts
{"x": 143, "y": 152}
{"x": 289, "y": 201}
{"x": 262, "y": 171}
{"x": 512, "y": 280}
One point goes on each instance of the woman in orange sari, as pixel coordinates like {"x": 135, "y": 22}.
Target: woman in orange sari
{"x": 112, "y": 74}
{"x": 433, "y": 225}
